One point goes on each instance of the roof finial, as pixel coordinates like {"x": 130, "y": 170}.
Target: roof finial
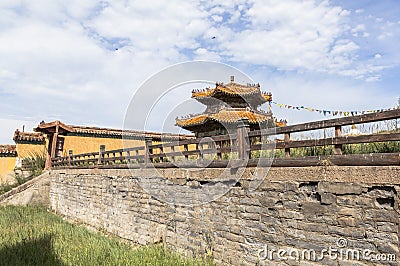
{"x": 232, "y": 78}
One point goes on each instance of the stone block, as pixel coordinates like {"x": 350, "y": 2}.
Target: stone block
{"x": 341, "y": 188}
{"x": 328, "y": 198}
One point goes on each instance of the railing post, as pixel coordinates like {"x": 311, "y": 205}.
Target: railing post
{"x": 137, "y": 156}
{"x": 173, "y": 150}
{"x": 186, "y": 148}
{"x": 101, "y": 154}
{"x": 219, "y": 154}
{"x": 287, "y": 139}
{"x": 338, "y": 147}
{"x": 148, "y": 142}
{"x": 70, "y": 153}
{"x": 128, "y": 157}
{"x": 199, "y": 147}
{"x": 243, "y": 139}
{"x": 161, "y": 154}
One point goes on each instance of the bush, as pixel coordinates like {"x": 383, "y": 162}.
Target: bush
{"x": 35, "y": 163}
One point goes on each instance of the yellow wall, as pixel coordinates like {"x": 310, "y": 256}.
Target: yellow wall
{"x": 30, "y": 150}
{"x": 80, "y": 144}
{"x": 6, "y": 168}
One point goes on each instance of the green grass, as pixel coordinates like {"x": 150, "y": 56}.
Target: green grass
{"x": 33, "y": 236}
{"x": 5, "y": 188}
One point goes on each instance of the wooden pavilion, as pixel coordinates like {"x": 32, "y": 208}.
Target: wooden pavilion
{"x": 226, "y": 104}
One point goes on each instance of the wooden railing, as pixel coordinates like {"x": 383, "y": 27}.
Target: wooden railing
{"x": 246, "y": 148}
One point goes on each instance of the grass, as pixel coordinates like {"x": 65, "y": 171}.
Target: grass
{"x": 32, "y": 236}
{"x": 362, "y": 148}
{"x": 5, "y": 188}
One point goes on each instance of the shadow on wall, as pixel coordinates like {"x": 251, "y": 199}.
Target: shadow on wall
{"x": 30, "y": 252}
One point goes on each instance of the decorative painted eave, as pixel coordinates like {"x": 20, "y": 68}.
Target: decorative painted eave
{"x": 267, "y": 96}
{"x": 281, "y": 123}
{"x": 224, "y": 116}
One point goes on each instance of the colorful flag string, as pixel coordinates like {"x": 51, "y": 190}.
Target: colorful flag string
{"x": 331, "y": 112}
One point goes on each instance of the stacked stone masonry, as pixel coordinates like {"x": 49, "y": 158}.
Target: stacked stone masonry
{"x": 354, "y": 210}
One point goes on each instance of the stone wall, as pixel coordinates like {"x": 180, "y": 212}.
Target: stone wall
{"x": 32, "y": 192}
{"x": 298, "y": 211}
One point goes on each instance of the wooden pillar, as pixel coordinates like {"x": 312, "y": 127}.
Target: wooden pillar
{"x": 287, "y": 139}
{"x": 137, "y": 156}
{"x": 338, "y": 147}
{"x": 199, "y": 147}
{"x": 148, "y": 141}
{"x": 101, "y": 154}
{"x": 173, "y": 150}
{"x": 218, "y": 146}
{"x": 162, "y": 158}
{"x": 243, "y": 139}
{"x": 54, "y": 142}
{"x": 48, "y": 155}
{"x": 128, "y": 157}
{"x": 186, "y": 148}
{"x": 70, "y": 152}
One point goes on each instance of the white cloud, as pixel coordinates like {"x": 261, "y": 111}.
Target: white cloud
{"x": 293, "y": 35}
{"x": 385, "y": 35}
{"x": 80, "y": 61}
{"x": 204, "y": 54}
{"x": 359, "y": 29}
{"x": 153, "y": 26}
{"x": 372, "y": 79}
{"x": 326, "y": 93}
{"x": 9, "y": 125}
{"x": 217, "y": 18}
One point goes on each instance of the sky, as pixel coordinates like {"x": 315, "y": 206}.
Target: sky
{"x": 81, "y": 61}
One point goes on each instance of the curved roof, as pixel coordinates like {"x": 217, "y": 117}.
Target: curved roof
{"x": 281, "y": 123}
{"x": 106, "y": 132}
{"x": 128, "y": 133}
{"x": 233, "y": 89}
{"x": 28, "y": 136}
{"x": 224, "y": 116}
{"x": 8, "y": 150}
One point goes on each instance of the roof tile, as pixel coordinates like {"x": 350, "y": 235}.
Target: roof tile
{"x": 230, "y": 89}
{"x": 225, "y": 116}
{"x": 8, "y": 150}
{"x": 28, "y": 136}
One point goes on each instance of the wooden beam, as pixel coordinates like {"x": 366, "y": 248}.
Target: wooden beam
{"x": 149, "y": 150}
{"x": 243, "y": 144}
{"x": 337, "y": 150}
{"x": 287, "y": 149}
{"x": 342, "y": 121}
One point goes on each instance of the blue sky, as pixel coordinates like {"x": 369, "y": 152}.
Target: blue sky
{"x": 81, "y": 62}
